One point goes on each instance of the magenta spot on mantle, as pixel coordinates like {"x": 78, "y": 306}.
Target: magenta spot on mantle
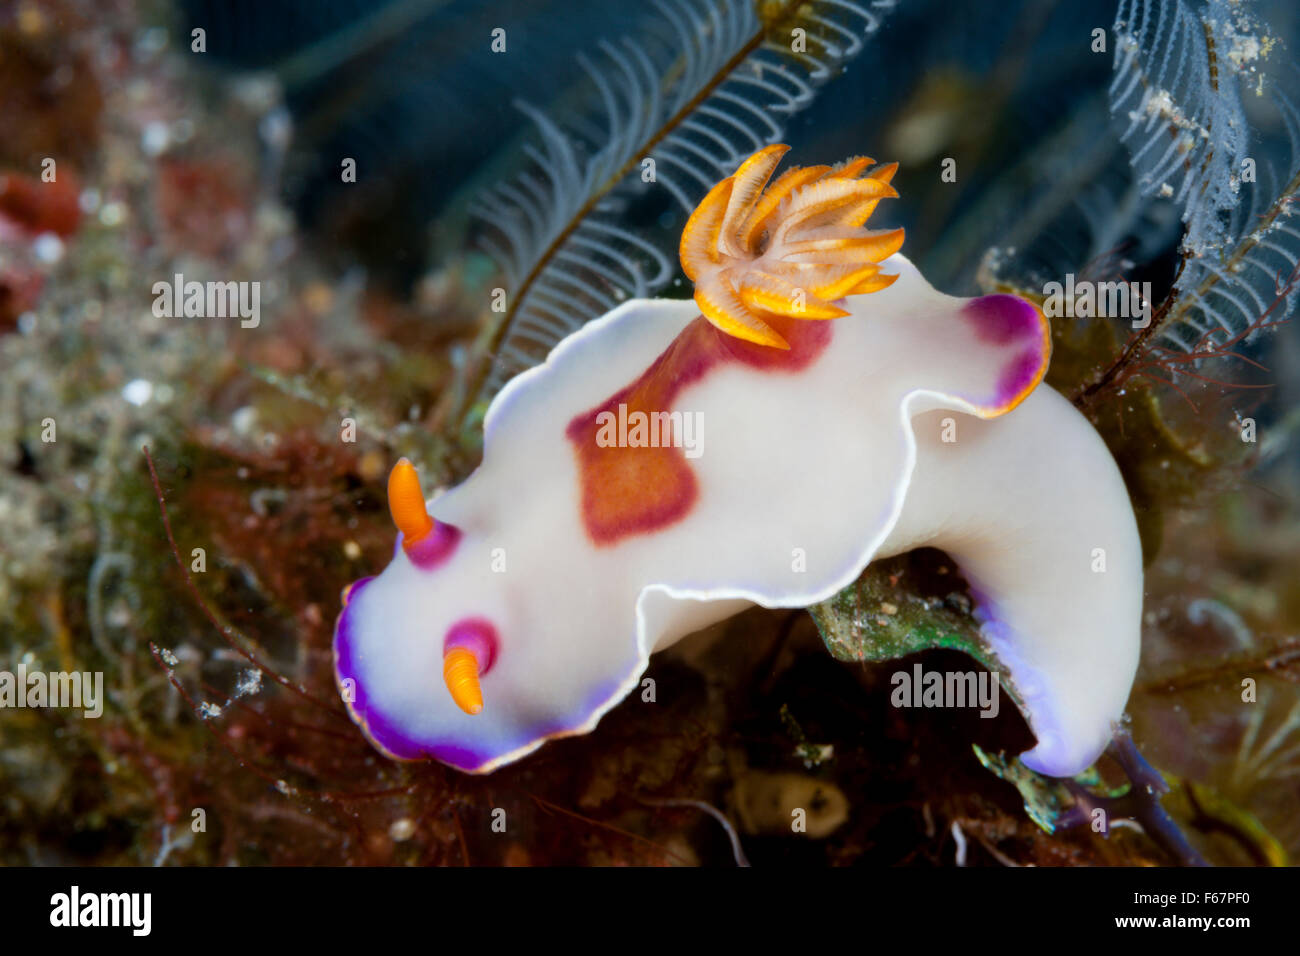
{"x": 1002, "y": 318}
{"x": 1018, "y": 376}
{"x": 435, "y": 547}
{"x": 1012, "y": 322}
{"x": 476, "y": 635}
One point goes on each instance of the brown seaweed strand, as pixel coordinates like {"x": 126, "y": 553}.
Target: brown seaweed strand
{"x": 1176, "y": 305}
{"x": 226, "y": 630}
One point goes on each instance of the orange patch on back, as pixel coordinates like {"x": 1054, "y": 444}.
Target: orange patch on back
{"x": 630, "y": 487}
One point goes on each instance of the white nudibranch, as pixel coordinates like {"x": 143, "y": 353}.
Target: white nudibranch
{"x": 841, "y": 409}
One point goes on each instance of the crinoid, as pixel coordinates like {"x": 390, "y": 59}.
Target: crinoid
{"x": 1277, "y": 756}
{"x": 791, "y": 250}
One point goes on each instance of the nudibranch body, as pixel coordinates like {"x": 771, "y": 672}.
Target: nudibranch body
{"x": 817, "y": 406}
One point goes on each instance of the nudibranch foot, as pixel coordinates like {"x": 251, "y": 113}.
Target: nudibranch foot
{"x": 1049, "y": 545}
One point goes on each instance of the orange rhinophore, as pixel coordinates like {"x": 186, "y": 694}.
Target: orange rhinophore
{"x": 460, "y": 671}
{"x": 406, "y": 503}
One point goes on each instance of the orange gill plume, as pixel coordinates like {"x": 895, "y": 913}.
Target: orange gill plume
{"x": 791, "y": 250}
